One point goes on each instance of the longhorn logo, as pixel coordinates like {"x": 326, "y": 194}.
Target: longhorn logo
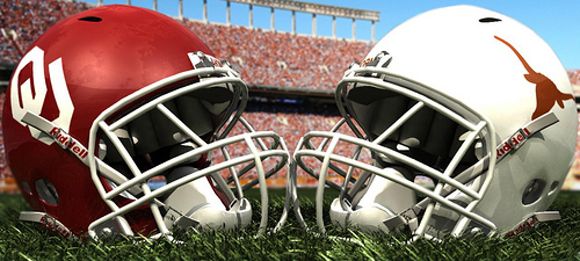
{"x": 547, "y": 94}
{"x": 22, "y": 99}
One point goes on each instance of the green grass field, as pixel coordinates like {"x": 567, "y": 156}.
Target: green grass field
{"x": 551, "y": 241}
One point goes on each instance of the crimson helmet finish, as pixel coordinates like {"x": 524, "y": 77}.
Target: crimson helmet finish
{"x": 111, "y": 97}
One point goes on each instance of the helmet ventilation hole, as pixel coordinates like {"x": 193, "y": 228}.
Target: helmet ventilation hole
{"x": 489, "y": 20}
{"x": 47, "y": 192}
{"x": 533, "y": 191}
{"x": 93, "y": 19}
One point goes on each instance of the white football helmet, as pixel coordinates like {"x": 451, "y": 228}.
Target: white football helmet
{"x": 470, "y": 123}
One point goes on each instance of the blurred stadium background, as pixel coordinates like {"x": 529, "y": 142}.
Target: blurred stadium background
{"x": 291, "y": 76}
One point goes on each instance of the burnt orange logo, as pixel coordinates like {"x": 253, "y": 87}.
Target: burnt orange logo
{"x": 547, "y": 94}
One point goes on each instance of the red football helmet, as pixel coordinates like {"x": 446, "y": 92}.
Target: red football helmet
{"x": 110, "y": 99}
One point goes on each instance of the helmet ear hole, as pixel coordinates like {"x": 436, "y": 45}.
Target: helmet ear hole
{"x": 25, "y": 187}
{"x": 47, "y": 192}
{"x": 554, "y": 187}
{"x": 533, "y": 191}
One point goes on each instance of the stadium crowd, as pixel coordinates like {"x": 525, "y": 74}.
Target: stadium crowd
{"x": 281, "y": 59}
{"x": 574, "y": 76}
{"x": 264, "y": 58}
{"x": 29, "y": 19}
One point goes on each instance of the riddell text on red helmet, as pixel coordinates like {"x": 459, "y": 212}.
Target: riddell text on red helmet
{"x": 66, "y": 141}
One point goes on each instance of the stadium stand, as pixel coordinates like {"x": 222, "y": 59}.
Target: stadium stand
{"x": 574, "y": 76}
{"x": 268, "y": 58}
{"x": 264, "y": 58}
{"x": 29, "y": 19}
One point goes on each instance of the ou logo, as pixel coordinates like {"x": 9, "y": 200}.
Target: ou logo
{"x": 22, "y": 100}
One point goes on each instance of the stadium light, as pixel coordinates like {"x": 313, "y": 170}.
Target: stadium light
{"x": 205, "y": 16}
{"x": 353, "y": 29}
{"x": 333, "y": 27}
{"x": 272, "y": 19}
{"x": 373, "y": 31}
{"x": 293, "y": 22}
{"x": 228, "y": 12}
{"x": 309, "y": 8}
{"x": 251, "y": 16}
{"x": 313, "y": 24}
{"x": 180, "y": 9}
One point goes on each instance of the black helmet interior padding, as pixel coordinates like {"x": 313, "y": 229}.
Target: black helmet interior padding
{"x": 203, "y": 111}
{"x": 427, "y": 136}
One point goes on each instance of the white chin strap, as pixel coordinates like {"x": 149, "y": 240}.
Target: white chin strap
{"x": 382, "y": 200}
{"x": 196, "y": 205}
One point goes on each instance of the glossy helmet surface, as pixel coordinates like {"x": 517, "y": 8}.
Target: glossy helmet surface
{"x": 114, "y": 100}
{"x": 469, "y": 122}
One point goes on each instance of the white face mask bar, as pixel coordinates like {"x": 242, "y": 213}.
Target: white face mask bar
{"x": 138, "y": 183}
{"x": 291, "y": 198}
{"x": 477, "y": 125}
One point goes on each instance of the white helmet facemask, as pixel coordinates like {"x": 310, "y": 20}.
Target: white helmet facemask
{"x": 172, "y": 138}
{"x": 152, "y": 139}
{"x": 432, "y": 157}
{"x": 154, "y": 158}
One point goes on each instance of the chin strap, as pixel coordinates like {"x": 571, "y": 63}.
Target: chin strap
{"x": 61, "y": 137}
{"x": 47, "y": 221}
{"x": 410, "y": 217}
{"x": 533, "y": 221}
